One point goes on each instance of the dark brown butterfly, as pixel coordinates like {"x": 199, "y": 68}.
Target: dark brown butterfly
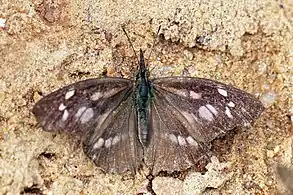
{"x": 163, "y": 123}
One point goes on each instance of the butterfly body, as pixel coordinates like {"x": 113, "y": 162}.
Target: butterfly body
{"x": 166, "y": 124}
{"x": 143, "y": 101}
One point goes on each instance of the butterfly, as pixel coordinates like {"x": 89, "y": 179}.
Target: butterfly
{"x": 165, "y": 124}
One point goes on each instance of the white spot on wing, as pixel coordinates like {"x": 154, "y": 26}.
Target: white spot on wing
{"x": 96, "y": 96}
{"x": 80, "y": 112}
{"x": 62, "y": 107}
{"x": 115, "y": 140}
{"x": 212, "y": 109}
{"x": 65, "y": 115}
{"x": 99, "y": 143}
{"x": 205, "y": 113}
{"x": 223, "y": 92}
{"x": 191, "y": 141}
{"x": 87, "y": 115}
{"x": 181, "y": 141}
{"x": 108, "y": 142}
{"x": 69, "y": 94}
{"x": 228, "y": 112}
{"x": 173, "y": 138}
{"x": 195, "y": 95}
{"x": 231, "y": 104}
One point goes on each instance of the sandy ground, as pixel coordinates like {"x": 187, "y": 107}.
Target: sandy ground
{"x": 47, "y": 44}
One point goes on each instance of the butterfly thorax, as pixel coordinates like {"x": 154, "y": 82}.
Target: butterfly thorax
{"x": 143, "y": 97}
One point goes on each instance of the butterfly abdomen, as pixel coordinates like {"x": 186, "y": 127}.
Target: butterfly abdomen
{"x": 142, "y": 104}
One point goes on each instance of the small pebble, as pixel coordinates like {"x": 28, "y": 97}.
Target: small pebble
{"x": 188, "y": 54}
{"x": 2, "y": 22}
{"x": 268, "y": 99}
{"x": 270, "y": 154}
{"x": 2, "y": 96}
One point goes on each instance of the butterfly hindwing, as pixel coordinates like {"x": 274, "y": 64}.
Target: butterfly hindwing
{"x": 211, "y": 108}
{"x": 76, "y": 107}
{"x": 113, "y": 144}
{"x": 172, "y": 147}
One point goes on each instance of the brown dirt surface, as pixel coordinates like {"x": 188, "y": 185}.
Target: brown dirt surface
{"x": 47, "y": 44}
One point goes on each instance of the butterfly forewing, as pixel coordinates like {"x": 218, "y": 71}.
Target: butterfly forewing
{"x": 210, "y": 108}
{"x": 113, "y": 143}
{"x": 77, "y": 107}
{"x": 186, "y": 114}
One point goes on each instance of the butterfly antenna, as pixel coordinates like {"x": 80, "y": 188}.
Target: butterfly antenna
{"x": 154, "y": 43}
{"x": 130, "y": 44}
